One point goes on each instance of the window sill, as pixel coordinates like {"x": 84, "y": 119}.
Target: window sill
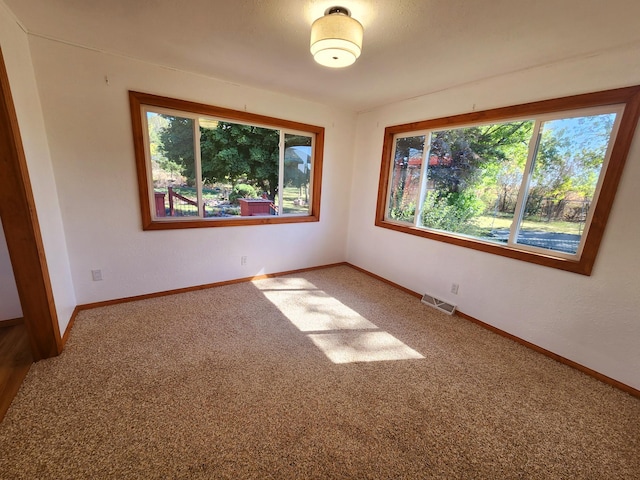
{"x": 234, "y": 222}
{"x": 582, "y": 266}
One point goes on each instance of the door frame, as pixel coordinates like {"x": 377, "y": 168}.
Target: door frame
{"x": 22, "y": 232}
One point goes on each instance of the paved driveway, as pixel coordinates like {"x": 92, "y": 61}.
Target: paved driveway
{"x": 560, "y": 242}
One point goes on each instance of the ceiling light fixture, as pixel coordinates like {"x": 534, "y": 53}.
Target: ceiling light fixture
{"x": 336, "y": 38}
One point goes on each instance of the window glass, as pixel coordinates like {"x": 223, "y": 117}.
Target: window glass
{"x": 239, "y": 168}
{"x": 405, "y": 178}
{"x": 297, "y": 173}
{"x": 473, "y": 178}
{"x": 173, "y": 165}
{"x": 568, "y": 162}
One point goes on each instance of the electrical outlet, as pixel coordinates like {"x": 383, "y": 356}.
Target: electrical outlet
{"x": 96, "y": 275}
{"x": 454, "y": 288}
{"x": 243, "y": 260}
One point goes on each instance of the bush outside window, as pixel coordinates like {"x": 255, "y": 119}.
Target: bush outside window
{"x": 201, "y": 165}
{"x": 533, "y": 182}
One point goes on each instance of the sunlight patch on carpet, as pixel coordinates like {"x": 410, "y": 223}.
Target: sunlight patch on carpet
{"x": 362, "y": 347}
{"x": 340, "y": 332}
{"x": 315, "y": 311}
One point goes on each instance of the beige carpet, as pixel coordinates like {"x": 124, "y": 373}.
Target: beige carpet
{"x": 323, "y": 375}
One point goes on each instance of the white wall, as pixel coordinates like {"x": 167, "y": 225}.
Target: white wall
{"x": 15, "y": 48}
{"x": 594, "y": 320}
{"x": 591, "y": 320}
{"x": 9, "y": 301}
{"x": 89, "y": 129}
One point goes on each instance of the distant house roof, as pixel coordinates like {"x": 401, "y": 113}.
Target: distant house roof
{"x": 434, "y": 161}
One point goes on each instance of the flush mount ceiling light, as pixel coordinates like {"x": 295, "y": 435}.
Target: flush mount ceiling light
{"x": 336, "y": 38}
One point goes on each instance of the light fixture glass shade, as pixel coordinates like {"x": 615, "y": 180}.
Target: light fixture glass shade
{"x": 336, "y": 40}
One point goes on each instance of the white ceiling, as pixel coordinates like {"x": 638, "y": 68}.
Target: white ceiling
{"x": 411, "y": 47}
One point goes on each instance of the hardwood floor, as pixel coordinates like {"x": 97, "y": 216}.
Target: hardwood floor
{"x": 15, "y": 361}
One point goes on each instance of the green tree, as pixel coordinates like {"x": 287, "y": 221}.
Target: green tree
{"x": 242, "y": 190}
{"x": 464, "y": 155}
{"x": 233, "y": 152}
{"x": 156, "y": 124}
{"x": 176, "y": 145}
{"x": 229, "y": 152}
{"x": 464, "y": 164}
{"x": 452, "y": 213}
{"x": 402, "y": 206}
{"x": 502, "y": 175}
{"x": 568, "y": 163}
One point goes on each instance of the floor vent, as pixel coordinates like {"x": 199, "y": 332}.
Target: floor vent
{"x": 439, "y": 304}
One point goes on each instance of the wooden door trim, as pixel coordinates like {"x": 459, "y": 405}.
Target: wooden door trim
{"x": 22, "y": 232}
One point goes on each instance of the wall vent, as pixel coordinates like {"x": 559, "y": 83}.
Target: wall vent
{"x": 441, "y": 305}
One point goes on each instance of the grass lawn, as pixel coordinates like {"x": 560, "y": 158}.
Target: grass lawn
{"x": 289, "y": 195}
{"x": 487, "y": 223}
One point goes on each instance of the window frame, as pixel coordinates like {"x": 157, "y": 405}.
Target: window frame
{"x": 140, "y": 103}
{"x": 628, "y": 97}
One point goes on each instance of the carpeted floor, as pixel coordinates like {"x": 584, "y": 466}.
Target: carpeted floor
{"x": 323, "y": 375}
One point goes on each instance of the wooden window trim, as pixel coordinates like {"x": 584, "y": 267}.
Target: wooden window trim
{"x": 629, "y": 96}
{"x": 137, "y": 100}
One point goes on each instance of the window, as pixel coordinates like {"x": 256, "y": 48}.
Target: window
{"x": 533, "y": 182}
{"x": 205, "y": 166}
